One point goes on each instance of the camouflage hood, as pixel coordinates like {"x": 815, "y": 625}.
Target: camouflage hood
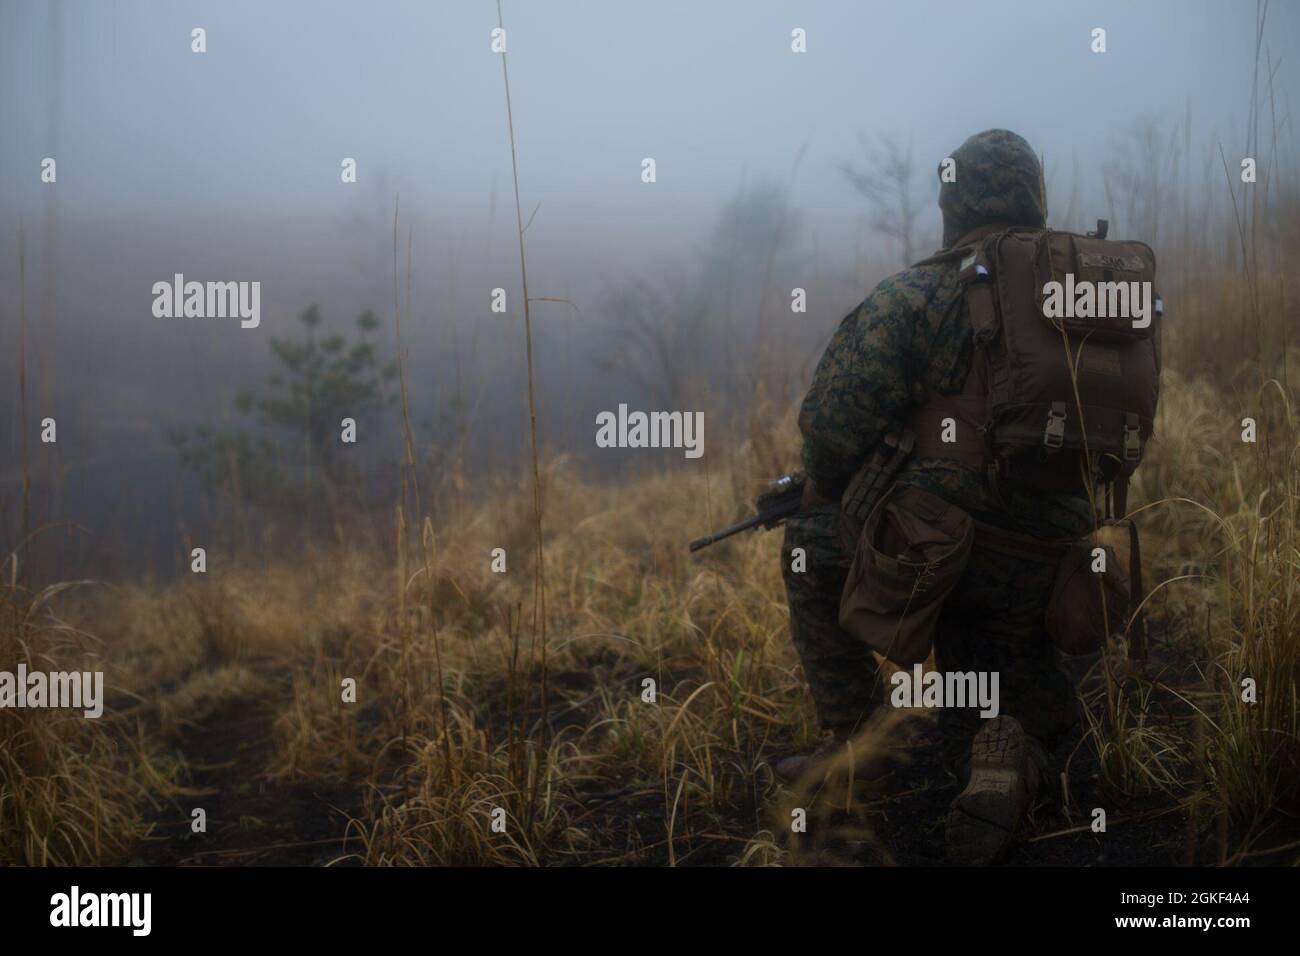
{"x": 998, "y": 180}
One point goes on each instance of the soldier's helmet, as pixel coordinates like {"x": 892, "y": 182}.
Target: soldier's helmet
{"x": 998, "y": 180}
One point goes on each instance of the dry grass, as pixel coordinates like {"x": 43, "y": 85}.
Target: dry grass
{"x": 470, "y": 710}
{"x": 69, "y": 786}
{"x": 685, "y": 778}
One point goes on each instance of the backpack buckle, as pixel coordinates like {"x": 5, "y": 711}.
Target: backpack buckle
{"x": 1054, "y": 433}
{"x": 1132, "y": 439}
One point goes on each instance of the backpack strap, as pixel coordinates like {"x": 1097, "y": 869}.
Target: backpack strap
{"x": 961, "y": 248}
{"x": 1137, "y": 625}
{"x": 1137, "y": 645}
{"x": 970, "y": 408}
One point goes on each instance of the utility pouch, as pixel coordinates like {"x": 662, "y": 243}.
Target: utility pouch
{"x": 913, "y": 550}
{"x": 1087, "y": 603}
{"x": 869, "y": 484}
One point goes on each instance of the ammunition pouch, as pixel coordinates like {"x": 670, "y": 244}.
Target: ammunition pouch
{"x": 1088, "y": 604}
{"x": 911, "y": 553}
{"x": 1085, "y": 606}
{"x": 869, "y": 484}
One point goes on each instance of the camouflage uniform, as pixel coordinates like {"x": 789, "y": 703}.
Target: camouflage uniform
{"x": 910, "y": 337}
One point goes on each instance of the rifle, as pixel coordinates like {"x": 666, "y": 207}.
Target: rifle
{"x": 780, "y": 501}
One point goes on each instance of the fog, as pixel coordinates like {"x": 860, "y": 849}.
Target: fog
{"x": 225, "y": 166}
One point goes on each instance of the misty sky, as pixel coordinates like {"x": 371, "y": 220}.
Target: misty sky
{"x": 709, "y": 89}
{"x": 226, "y": 166}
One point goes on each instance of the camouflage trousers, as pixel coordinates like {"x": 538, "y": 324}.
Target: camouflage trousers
{"x": 992, "y": 622}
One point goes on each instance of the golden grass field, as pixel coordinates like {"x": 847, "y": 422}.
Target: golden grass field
{"x": 485, "y": 696}
{"x": 224, "y": 688}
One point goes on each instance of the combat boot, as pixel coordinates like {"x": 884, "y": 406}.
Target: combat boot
{"x": 1005, "y": 770}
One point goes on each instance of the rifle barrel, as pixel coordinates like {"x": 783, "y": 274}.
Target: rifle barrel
{"x": 727, "y": 532}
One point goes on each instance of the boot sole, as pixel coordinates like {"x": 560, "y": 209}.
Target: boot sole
{"x": 985, "y": 817}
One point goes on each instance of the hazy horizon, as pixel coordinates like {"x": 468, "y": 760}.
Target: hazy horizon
{"x": 225, "y": 166}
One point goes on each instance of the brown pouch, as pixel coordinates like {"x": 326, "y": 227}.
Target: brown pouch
{"x": 1087, "y": 605}
{"x": 869, "y": 484}
{"x": 912, "y": 552}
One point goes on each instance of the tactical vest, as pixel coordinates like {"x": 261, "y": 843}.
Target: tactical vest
{"x": 1057, "y": 403}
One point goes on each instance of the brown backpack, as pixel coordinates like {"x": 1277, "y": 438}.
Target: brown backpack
{"x": 1053, "y": 402}
{"x": 1058, "y": 399}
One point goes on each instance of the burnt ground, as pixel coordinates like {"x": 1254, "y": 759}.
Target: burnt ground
{"x": 909, "y": 822}
{"x": 255, "y": 820}
{"x": 251, "y": 819}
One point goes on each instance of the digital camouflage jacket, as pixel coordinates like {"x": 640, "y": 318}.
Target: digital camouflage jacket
{"x": 912, "y": 336}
